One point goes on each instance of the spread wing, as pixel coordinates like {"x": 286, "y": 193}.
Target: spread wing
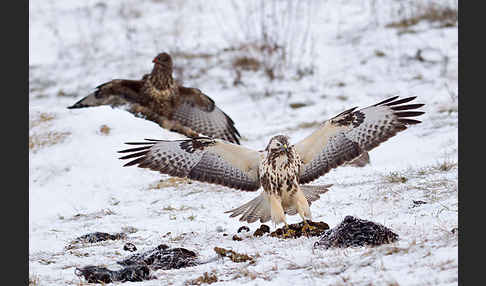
{"x": 197, "y": 111}
{"x": 202, "y": 159}
{"x": 114, "y": 93}
{"x": 352, "y": 132}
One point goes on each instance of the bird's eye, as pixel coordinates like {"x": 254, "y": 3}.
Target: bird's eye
{"x": 278, "y": 144}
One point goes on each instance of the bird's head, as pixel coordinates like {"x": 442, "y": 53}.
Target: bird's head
{"x": 163, "y": 59}
{"x": 278, "y": 144}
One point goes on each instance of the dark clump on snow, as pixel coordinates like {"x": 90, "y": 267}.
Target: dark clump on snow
{"x": 296, "y": 230}
{"x": 95, "y": 237}
{"x": 243, "y": 228}
{"x": 99, "y": 236}
{"x": 98, "y": 274}
{"x": 356, "y": 232}
{"x": 312, "y": 228}
{"x": 163, "y": 257}
{"x": 129, "y": 247}
{"x": 417, "y": 203}
{"x": 137, "y": 267}
{"x": 262, "y": 230}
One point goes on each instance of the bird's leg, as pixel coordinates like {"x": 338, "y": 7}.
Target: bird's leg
{"x": 306, "y": 223}
{"x": 286, "y": 226}
{"x": 278, "y": 214}
{"x": 302, "y": 207}
{"x": 286, "y": 231}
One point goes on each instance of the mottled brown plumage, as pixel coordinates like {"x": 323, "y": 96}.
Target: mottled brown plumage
{"x": 281, "y": 169}
{"x": 158, "y": 98}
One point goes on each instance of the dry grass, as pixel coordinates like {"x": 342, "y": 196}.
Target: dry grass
{"x": 297, "y": 105}
{"x": 206, "y": 278}
{"x": 246, "y": 63}
{"x": 446, "y": 166}
{"x": 33, "y": 280}
{"x": 271, "y": 36}
{"x": 437, "y": 190}
{"x": 431, "y": 12}
{"x": 89, "y": 216}
{"x": 191, "y": 55}
{"x": 181, "y": 208}
{"x": 449, "y": 109}
{"x": 434, "y": 186}
{"x": 38, "y": 141}
{"x": 170, "y": 182}
{"x": 46, "y": 138}
{"x": 234, "y": 256}
{"x": 41, "y": 119}
{"x": 395, "y": 177}
{"x": 443, "y": 166}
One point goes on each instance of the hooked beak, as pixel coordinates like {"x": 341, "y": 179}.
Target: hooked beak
{"x": 285, "y": 147}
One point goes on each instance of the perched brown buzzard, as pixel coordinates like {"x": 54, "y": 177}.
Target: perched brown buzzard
{"x": 158, "y": 98}
{"x": 281, "y": 168}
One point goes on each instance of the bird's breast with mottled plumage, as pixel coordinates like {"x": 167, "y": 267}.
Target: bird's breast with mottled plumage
{"x": 160, "y": 98}
{"x": 279, "y": 173}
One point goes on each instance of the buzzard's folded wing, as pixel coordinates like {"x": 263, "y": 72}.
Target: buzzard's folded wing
{"x": 202, "y": 159}
{"x": 349, "y": 134}
{"x": 114, "y": 93}
{"x": 197, "y": 111}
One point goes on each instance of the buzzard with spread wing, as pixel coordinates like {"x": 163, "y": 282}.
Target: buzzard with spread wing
{"x": 281, "y": 169}
{"x": 158, "y": 98}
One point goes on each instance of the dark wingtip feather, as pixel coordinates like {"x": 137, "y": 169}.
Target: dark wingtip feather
{"x": 134, "y": 162}
{"x": 78, "y": 104}
{"x": 403, "y": 100}
{"x": 407, "y": 110}
{"x": 409, "y": 121}
{"x": 407, "y": 106}
{"x": 234, "y": 134}
{"x": 150, "y": 142}
{"x": 133, "y": 155}
{"x": 134, "y": 149}
{"x": 409, "y": 113}
{"x": 346, "y": 111}
{"x": 139, "y": 143}
{"x": 386, "y": 100}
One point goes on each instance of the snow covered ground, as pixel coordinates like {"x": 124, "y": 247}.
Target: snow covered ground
{"x": 340, "y": 54}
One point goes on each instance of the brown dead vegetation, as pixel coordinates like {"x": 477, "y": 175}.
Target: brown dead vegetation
{"x": 38, "y": 141}
{"x": 431, "y": 12}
